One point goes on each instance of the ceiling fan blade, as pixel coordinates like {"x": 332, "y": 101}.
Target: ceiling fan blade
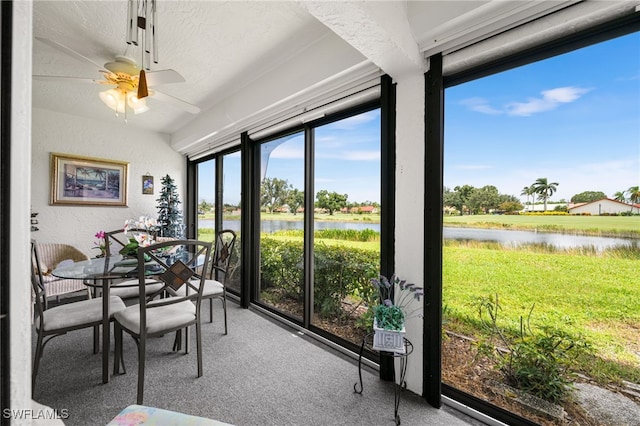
{"x": 143, "y": 91}
{"x": 155, "y": 78}
{"x": 175, "y": 101}
{"x": 66, "y": 78}
{"x": 69, "y": 51}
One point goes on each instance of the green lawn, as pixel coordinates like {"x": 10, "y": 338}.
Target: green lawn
{"x": 596, "y": 296}
{"x": 338, "y": 217}
{"x": 592, "y": 225}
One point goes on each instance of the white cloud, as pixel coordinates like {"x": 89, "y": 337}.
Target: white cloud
{"x": 480, "y": 105}
{"x": 350, "y": 155}
{"x": 550, "y": 100}
{"x": 356, "y": 120}
{"x": 288, "y": 151}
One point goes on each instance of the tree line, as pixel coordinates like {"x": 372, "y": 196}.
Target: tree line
{"x": 470, "y": 200}
{"x": 276, "y": 193}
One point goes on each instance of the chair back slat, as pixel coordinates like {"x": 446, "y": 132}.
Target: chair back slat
{"x": 172, "y": 262}
{"x": 223, "y": 251}
{"x": 37, "y": 282}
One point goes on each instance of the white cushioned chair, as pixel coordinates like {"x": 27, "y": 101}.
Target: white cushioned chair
{"x": 56, "y": 321}
{"x": 215, "y": 284}
{"x": 176, "y": 264}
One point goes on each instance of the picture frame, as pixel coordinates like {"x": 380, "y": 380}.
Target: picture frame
{"x": 147, "y": 185}
{"x": 88, "y": 181}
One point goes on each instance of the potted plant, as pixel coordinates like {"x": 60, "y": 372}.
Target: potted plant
{"x": 100, "y": 244}
{"x": 388, "y": 316}
{"x": 142, "y": 233}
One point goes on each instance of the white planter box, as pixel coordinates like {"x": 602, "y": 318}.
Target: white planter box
{"x": 388, "y": 340}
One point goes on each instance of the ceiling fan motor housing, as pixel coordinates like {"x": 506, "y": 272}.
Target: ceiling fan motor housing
{"x": 124, "y": 73}
{"x": 123, "y": 64}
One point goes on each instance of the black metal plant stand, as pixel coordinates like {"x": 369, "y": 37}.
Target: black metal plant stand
{"x": 400, "y": 385}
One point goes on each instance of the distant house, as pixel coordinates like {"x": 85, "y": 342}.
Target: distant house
{"x": 361, "y": 209}
{"x": 603, "y": 207}
{"x": 368, "y": 209}
{"x": 540, "y": 207}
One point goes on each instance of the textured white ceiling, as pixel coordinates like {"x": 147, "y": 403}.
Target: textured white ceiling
{"x": 221, "y": 48}
{"x": 218, "y": 47}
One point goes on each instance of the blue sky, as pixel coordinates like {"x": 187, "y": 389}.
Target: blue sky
{"x": 574, "y": 119}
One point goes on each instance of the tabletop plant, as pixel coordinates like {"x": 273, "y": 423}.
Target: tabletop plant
{"x": 391, "y": 315}
{"x": 100, "y": 244}
{"x": 141, "y": 233}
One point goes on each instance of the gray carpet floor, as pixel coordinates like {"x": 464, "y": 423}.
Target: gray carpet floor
{"x": 261, "y": 373}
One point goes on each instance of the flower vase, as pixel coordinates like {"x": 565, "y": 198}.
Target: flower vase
{"x": 388, "y": 340}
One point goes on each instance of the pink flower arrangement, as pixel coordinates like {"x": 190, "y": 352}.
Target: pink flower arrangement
{"x": 101, "y": 243}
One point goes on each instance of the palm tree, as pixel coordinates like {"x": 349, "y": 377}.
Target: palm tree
{"x": 528, "y": 191}
{"x": 100, "y": 174}
{"x": 544, "y": 189}
{"x": 619, "y": 196}
{"x": 634, "y": 194}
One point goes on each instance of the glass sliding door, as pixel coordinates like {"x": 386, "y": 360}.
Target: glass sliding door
{"x": 346, "y": 223}
{"x": 206, "y": 181}
{"x": 547, "y": 163}
{"x": 231, "y": 213}
{"x": 282, "y": 168}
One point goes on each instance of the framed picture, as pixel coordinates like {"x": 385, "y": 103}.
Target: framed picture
{"x": 87, "y": 181}
{"x": 147, "y": 184}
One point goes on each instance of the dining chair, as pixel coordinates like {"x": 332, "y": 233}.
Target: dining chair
{"x": 175, "y": 264}
{"x": 52, "y": 255}
{"x": 126, "y": 289}
{"x": 55, "y": 321}
{"x": 215, "y": 284}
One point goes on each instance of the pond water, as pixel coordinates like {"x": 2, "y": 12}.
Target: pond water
{"x": 505, "y": 237}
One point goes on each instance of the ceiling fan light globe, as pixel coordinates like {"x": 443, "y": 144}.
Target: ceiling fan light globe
{"x": 113, "y": 99}
{"x": 137, "y": 105}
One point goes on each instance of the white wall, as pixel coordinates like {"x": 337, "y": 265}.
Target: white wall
{"x": 604, "y": 207}
{"x": 20, "y": 293}
{"x": 409, "y": 241}
{"x": 147, "y": 153}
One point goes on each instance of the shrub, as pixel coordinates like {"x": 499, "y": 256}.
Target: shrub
{"x": 281, "y": 267}
{"x": 538, "y": 363}
{"x": 339, "y": 272}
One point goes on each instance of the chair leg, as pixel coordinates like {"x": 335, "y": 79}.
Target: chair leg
{"x": 177, "y": 342}
{"x": 211, "y": 310}
{"x": 224, "y": 308}
{"x": 118, "y": 350}
{"x": 199, "y": 347}
{"x": 186, "y": 340}
{"x": 36, "y": 363}
{"x": 96, "y": 339}
{"x": 141, "y": 360}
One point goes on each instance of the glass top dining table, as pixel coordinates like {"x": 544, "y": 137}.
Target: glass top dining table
{"x": 101, "y": 268}
{"x": 99, "y": 272}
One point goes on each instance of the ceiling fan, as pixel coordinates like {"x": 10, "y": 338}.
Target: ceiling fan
{"x": 132, "y": 85}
